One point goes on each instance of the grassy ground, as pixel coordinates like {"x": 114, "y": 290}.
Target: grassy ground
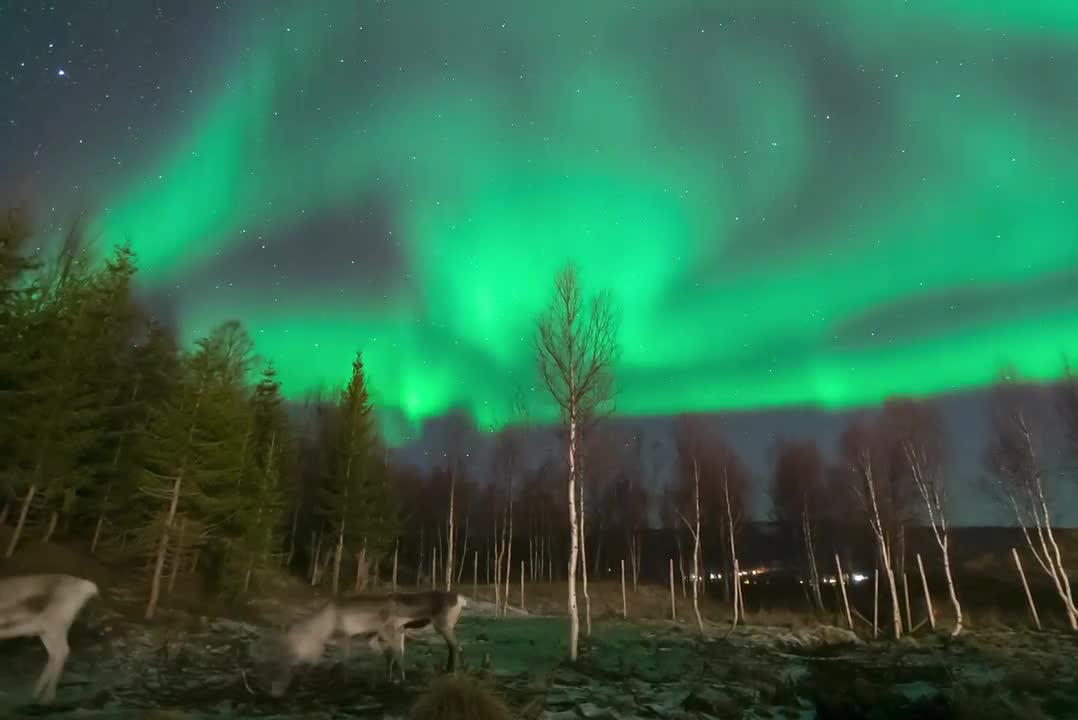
{"x": 197, "y": 659}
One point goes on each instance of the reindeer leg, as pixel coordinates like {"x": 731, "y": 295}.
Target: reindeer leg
{"x": 346, "y": 647}
{"x": 446, "y": 631}
{"x": 394, "y": 639}
{"x": 58, "y": 650}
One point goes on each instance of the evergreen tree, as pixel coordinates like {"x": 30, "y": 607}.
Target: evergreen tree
{"x": 348, "y": 497}
{"x": 15, "y": 294}
{"x": 194, "y": 448}
{"x": 111, "y": 377}
{"x": 263, "y": 497}
{"x": 60, "y": 416}
{"x": 248, "y": 531}
{"x": 150, "y": 374}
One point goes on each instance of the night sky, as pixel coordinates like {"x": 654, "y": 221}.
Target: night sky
{"x": 796, "y": 204}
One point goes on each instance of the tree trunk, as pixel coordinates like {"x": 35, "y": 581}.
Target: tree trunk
{"x": 736, "y": 580}
{"x": 681, "y": 565}
{"x": 396, "y": 551}
{"x": 451, "y": 532}
{"x": 624, "y": 599}
{"x": 896, "y": 608}
{"x": 21, "y": 522}
{"x": 584, "y": 564}
{"x": 810, "y": 557}
{"x": 842, "y": 586}
{"x": 574, "y": 536}
{"x": 1064, "y": 581}
{"x": 928, "y": 595}
{"x": 463, "y": 548}
{"x": 498, "y": 557}
{"x": 508, "y": 554}
{"x": 162, "y": 547}
{"x": 420, "y": 565}
{"x": 1025, "y": 586}
{"x": 101, "y": 518}
{"x": 532, "y": 552}
{"x": 178, "y": 557}
{"x": 54, "y": 518}
{"x": 951, "y": 590}
{"x": 362, "y": 571}
{"x": 673, "y": 595}
{"x": 906, "y": 597}
{"x": 292, "y": 540}
{"x": 876, "y": 523}
{"x": 315, "y": 557}
{"x": 696, "y": 546}
{"x": 338, "y": 554}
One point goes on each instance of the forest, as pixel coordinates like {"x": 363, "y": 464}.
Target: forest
{"x": 188, "y": 461}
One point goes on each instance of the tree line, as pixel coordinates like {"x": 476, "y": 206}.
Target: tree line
{"x": 183, "y": 459}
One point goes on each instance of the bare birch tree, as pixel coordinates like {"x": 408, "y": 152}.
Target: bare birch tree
{"x": 857, "y": 445}
{"x": 796, "y": 485}
{"x": 1015, "y": 462}
{"x": 576, "y": 347}
{"x": 688, "y": 446}
{"x": 918, "y": 430}
{"x": 505, "y": 463}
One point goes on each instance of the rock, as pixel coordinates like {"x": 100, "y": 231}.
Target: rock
{"x": 559, "y": 715}
{"x": 822, "y": 636}
{"x": 711, "y": 700}
{"x": 831, "y": 635}
{"x": 591, "y": 711}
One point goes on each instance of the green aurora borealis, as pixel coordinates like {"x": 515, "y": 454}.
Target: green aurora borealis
{"x": 794, "y": 203}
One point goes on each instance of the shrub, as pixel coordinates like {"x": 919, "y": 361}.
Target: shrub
{"x": 459, "y": 698}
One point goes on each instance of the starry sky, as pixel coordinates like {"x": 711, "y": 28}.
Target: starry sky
{"x": 796, "y": 205}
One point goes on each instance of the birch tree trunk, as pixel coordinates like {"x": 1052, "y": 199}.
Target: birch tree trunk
{"x": 810, "y": 556}
{"x": 928, "y": 484}
{"x": 54, "y": 518}
{"x": 463, "y": 548}
{"x": 338, "y": 555}
{"x": 21, "y": 522}
{"x": 574, "y": 535}
{"x": 449, "y": 536}
{"x": 584, "y": 565}
{"x": 508, "y": 554}
{"x": 498, "y": 557}
{"x": 162, "y": 547}
{"x": 733, "y": 546}
{"x": 178, "y": 559}
{"x": 696, "y": 545}
{"x": 292, "y": 540}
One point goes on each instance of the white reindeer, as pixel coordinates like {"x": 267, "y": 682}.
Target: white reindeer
{"x": 45, "y": 606}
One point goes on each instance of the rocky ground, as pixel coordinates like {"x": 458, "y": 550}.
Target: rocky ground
{"x": 210, "y": 668}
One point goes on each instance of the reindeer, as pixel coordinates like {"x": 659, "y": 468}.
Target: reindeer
{"x": 45, "y": 606}
{"x": 381, "y": 619}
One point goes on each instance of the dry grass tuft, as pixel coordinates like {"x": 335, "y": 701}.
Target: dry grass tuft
{"x": 459, "y": 698}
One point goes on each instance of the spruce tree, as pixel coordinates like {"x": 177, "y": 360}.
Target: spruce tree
{"x": 60, "y": 417}
{"x": 345, "y": 497}
{"x": 112, "y": 378}
{"x": 194, "y": 451}
{"x": 15, "y": 301}
{"x": 150, "y": 376}
{"x": 264, "y": 495}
